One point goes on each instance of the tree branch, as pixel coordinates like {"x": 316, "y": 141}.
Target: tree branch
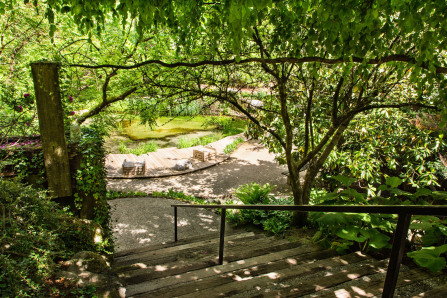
{"x": 101, "y": 106}
{"x": 375, "y": 61}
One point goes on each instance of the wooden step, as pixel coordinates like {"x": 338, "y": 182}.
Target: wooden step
{"x": 156, "y": 255}
{"x": 256, "y": 284}
{"x": 436, "y": 292}
{"x": 211, "y": 277}
{"x": 203, "y": 257}
{"x": 260, "y": 266}
{"x": 188, "y": 240}
{"x": 373, "y": 285}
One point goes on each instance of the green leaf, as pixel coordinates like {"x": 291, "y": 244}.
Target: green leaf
{"x": 393, "y": 181}
{"x": 333, "y": 219}
{"x": 440, "y": 195}
{"x": 345, "y": 180}
{"x": 351, "y": 233}
{"x": 443, "y": 230}
{"x": 377, "y": 240}
{"x": 352, "y": 193}
{"x": 422, "y": 192}
{"x": 429, "y": 257}
{"x": 431, "y": 237}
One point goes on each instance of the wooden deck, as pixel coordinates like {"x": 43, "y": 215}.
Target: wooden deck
{"x": 259, "y": 266}
{"x": 159, "y": 163}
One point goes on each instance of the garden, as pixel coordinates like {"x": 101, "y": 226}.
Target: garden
{"x": 352, "y": 101}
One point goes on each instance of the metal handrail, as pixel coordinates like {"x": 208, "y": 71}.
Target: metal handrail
{"x": 403, "y": 223}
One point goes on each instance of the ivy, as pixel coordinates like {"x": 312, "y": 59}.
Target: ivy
{"x": 90, "y": 177}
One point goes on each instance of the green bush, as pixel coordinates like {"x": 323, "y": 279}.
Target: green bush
{"x": 254, "y": 193}
{"x": 273, "y": 221}
{"x": 178, "y": 195}
{"x": 142, "y": 148}
{"x": 228, "y": 126}
{"x": 36, "y": 234}
{"x": 231, "y": 147}
{"x": 372, "y": 232}
{"x": 186, "y": 142}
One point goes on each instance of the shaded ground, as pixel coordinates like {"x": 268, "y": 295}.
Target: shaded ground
{"x": 141, "y": 221}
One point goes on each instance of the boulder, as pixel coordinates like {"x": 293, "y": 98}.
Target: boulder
{"x": 182, "y": 165}
{"x": 88, "y": 268}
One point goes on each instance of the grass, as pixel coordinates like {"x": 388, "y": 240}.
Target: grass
{"x": 141, "y": 149}
{"x": 166, "y": 127}
{"x": 185, "y": 142}
{"x": 169, "y": 126}
{"x": 231, "y": 147}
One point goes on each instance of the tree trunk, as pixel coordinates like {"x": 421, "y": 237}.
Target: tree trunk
{"x": 51, "y": 124}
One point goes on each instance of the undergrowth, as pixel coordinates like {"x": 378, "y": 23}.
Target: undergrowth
{"x": 35, "y": 234}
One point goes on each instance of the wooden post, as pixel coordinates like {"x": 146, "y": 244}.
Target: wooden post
{"x": 51, "y": 124}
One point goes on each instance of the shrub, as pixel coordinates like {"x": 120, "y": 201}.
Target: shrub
{"x": 142, "y": 148}
{"x": 231, "y": 147}
{"x": 273, "y": 221}
{"x": 35, "y": 234}
{"x": 185, "y": 142}
{"x": 254, "y": 193}
{"x": 372, "y": 232}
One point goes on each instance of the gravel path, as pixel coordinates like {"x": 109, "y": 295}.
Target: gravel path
{"x": 147, "y": 220}
{"x": 251, "y": 162}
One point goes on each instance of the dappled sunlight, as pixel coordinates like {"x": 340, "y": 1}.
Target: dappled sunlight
{"x": 245, "y": 166}
{"x": 273, "y": 275}
{"x": 161, "y": 268}
{"x": 143, "y": 221}
{"x": 140, "y": 265}
{"x": 291, "y": 261}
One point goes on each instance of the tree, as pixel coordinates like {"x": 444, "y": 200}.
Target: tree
{"x": 327, "y": 61}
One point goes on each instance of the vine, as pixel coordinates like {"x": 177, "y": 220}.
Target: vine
{"x": 90, "y": 177}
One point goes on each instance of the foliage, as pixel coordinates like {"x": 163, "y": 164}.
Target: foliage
{"x": 142, "y": 148}
{"x": 27, "y": 163}
{"x": 189, "y": 109}
{"x": 231, "y": 147}
{"x": 111, "y": 195}
{"x": 430, "y": 257}
{"x": 372, "y": 232}
{"x": 228, "y": 126}
{"x": 186, "y": 142}
{"x": 386, "y": 144}
{"x": 273, "y": 221}
{"x": 36, "y": 234}
{"x": 172, "y": 194}
{"x": 90, "y": 177}
{"x": 254, "y": 193}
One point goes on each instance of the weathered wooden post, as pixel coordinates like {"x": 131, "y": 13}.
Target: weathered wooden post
{"x": 51, "y": 123}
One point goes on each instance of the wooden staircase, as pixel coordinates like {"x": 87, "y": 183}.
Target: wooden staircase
{"x": 260, "y": 266}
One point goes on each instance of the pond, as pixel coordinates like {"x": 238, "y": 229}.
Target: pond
{"x": 168, "y": 131}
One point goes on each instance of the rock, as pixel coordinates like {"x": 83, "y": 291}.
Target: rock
{"x": 182, "y": 165}
{"x": 88, "y": 261}
{"x": 88, "y": 268}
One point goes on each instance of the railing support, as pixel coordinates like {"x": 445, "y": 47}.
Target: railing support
{"x": 175, "y": 224}
{"x": 222, "y": 234}
{"x": 397, "y": 252}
